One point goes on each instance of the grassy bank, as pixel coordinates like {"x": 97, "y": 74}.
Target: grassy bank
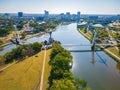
{"x": 112, "y": 55}
{"x": 117, "y": 58}
{"x": 26, "y": 74}
{"x": 85, "y": 35}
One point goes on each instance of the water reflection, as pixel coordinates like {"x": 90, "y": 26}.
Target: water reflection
{"x": 93, "y": 57}
{"x": 101, "y": 59}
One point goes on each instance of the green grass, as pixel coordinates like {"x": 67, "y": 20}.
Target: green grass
{"x": 84, "y": 35}
{"x": 26, "y": 74}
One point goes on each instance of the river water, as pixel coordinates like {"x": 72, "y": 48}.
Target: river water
{"x": 97, "y": 68}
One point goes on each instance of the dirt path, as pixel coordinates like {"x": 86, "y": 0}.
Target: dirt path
{"x": 43, "y": 67}
{"x": 8, "y": 66}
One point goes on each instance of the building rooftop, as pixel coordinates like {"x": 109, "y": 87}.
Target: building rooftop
{"x": 98, "y": 26}
{"x": 83, "y": 23}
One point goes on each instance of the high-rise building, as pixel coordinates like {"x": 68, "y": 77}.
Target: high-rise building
{"x": 78, "y": 15}
{"x": 68, "y": 15}
{"x": 20, "y": 14}
{"x": 46, "y": 13}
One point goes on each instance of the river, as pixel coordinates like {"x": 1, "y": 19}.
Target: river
{"x": 97, "y": 68}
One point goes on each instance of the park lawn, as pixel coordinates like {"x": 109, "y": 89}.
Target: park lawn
{"x": 25, "y": 75}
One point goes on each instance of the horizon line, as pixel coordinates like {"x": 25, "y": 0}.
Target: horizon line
{"x": 64, "y": 13}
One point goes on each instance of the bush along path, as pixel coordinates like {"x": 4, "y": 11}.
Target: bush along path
{"x": 61, "y": 78}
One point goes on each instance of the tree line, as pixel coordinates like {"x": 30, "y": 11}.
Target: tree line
{"x": 21, "y": 52}
{"x": 49, "y": 24}
{"x": 61, "y": 78}
{"x": 6, "y": 26}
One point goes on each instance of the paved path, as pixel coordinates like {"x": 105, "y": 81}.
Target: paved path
{"x": 43, "y": 67}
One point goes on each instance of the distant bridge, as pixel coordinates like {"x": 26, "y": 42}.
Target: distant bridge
{"x": 89, "y": 44}
{"x": 83, "y": 50}
{"x": 93, "y": 44}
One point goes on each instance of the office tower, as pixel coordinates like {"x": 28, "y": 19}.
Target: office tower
{"x": 68, "y": 15}
{"x": 46, "y": 13}
{"x": 20, "y": 14}
{"x": 78, "y": 15}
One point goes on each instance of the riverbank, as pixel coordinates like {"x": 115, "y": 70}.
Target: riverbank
{"x": 106, "y": 50}
{"x": 27, "y": 74}
{"x": 27, "y": 37}
{"x": 33, "y": 35}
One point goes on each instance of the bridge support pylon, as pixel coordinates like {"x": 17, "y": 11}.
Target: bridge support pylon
{"x": 93, "y": 47}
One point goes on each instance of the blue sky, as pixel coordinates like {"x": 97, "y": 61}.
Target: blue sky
{"x": 61, "y": 6}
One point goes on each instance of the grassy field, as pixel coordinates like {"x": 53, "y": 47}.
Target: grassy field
{"x": 26, "y": 74}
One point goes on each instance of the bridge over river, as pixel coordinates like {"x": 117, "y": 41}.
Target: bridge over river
{"x": 96, "y": 67}
{"x": 99, "y": 69}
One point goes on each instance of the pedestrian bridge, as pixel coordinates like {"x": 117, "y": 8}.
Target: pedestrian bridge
{"x": 102, "y": 46}
{"x": 84, "y": 50}
{"x": 89, "y": 45}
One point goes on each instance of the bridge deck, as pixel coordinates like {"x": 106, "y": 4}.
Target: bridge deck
{"x": 88, "y": 44}
{"x": 84, "y": 50}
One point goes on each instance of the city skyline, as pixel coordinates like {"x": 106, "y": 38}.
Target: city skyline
{"x": 61, "y": 6}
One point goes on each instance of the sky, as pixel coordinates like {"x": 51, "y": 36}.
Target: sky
{"x": 61, "y": 6}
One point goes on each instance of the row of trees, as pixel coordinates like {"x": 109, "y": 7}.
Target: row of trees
{"x": 21, "y": 52}
{"x": 61, "y": 78}
{"x": 114, "y": 28}
{"x": 20, "y": 24}
{"x": 5, "y": 30}
{"x": 6, "y": 26}
{"x": 49, "y": 24}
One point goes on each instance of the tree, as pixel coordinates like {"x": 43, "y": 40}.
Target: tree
{"x": 68, "y": 75}
{"x": 17, "y": 52}
{"x": 63, "y": 84}
{"x": 80, "y": 84}
{"x": 23, "y": 35}
{"x": 24, "y": 53}
{"x": 5, "y": 30}
{"x": 36, "y": 46}
{"x": 56, "y": 49}
{"x": 8, "y": 57}
{"x": 30, "y": 50}
{"x": 2, "y": 60}
{"x": 61, "y": 62}
{"x": 20, "y": 25}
